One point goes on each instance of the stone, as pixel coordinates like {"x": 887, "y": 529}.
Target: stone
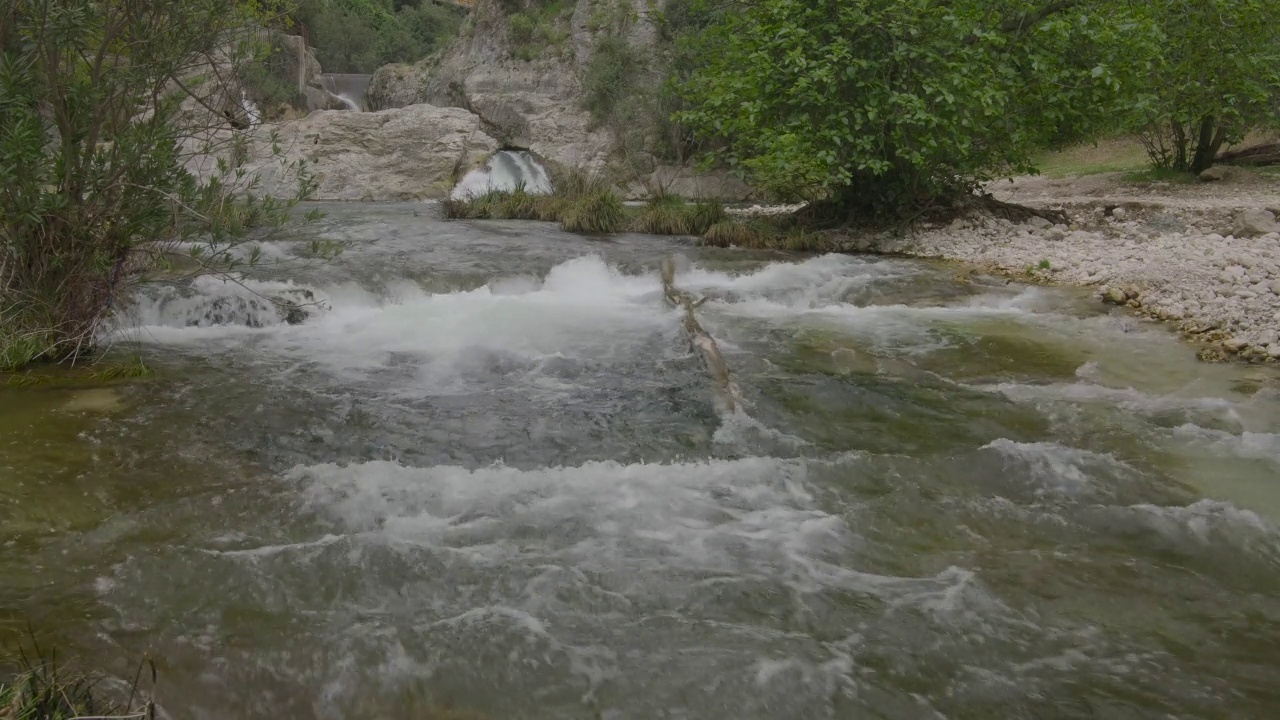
{"x": 399, "y": 85}
{"x": 1275, "y": 287}
{"x": 1119, "y": 213}
{"x": 1115, "y": 296}
{"x": 1235, "y": 344}
{"x": 1252, "y": 223}
{"x": 1038, "y": 223}
{"x": 1273, "y": 350}
{"x": 1227, "y": 174}
{"x": 407, "y": 153}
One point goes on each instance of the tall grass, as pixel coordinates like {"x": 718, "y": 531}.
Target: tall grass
{"x": 597, "y": 212}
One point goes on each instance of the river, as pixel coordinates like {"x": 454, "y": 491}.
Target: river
{"x": 487, "y": 477}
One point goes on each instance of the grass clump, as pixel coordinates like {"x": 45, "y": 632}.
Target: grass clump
{"x": 734, "y": 232}
{"x": 667, "y": 214}
{"x": 596, "y": 212}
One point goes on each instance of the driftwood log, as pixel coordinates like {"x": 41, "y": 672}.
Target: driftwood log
{"x": 700, "y": 339}
{"x": 1256, "y": 156}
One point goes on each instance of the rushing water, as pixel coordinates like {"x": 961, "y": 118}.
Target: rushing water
{"x": 477, "y": 466}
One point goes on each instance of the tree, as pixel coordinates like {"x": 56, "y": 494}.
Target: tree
{"x": 886, "y": 107}
{"x": 103, "y": 105}
{"x": 1215, "y": 76}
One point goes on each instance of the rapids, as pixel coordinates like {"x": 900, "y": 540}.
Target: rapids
{"x": 477, "y": 466}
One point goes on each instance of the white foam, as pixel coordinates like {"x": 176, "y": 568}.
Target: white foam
{"x": 1248, "y": 445}
{"x": 1056, "y": 467}
{"x": 583, "y": 309}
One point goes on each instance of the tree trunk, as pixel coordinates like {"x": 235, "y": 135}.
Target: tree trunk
{"x": 1179, "y": 146}
{"x": 1208, "y": 142}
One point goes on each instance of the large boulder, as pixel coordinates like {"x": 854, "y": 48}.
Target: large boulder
{"x": 409, "y": 153}
{"x": 399, "y": 85}
{"x": 1252, "y": 223}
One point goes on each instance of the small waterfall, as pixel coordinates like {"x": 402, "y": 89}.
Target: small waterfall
{"x": 349, "y": 88}
{"x": 210, "y": 302}
{"x": 506, "y": 170}
{"x": 251, "y": 111}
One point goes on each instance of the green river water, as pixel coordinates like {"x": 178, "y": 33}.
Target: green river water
{"x": 488, "y": 473}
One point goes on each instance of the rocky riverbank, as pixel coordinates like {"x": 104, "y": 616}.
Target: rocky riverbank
{"x": 1204, "y": 256}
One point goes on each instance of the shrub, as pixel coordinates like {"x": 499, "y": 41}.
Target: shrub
{"x": 83, "y": 217}
{"x": 521, "y": 28}
{"x": 608, "y": 76}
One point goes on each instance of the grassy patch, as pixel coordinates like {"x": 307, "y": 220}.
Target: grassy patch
{"x": 1124, "y": 154}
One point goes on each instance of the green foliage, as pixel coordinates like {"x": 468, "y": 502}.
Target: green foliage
{"x": 609, "y": 76}
{"x": 271, "y": 77}
{"x": 93, "y": 147}
{"x": 359, "y": 36}
{"x": 1214, "y": 76}
{"x": 888, "y": 106}
{"x": 541, "y": 27}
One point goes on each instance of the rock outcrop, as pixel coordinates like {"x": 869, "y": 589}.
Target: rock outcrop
{"x": 410, "y": 153}
{"x": 536, "y": 103}
{"x": 399, "y": 85}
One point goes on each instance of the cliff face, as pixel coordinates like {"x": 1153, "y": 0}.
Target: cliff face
{"x": 523, "y": 69}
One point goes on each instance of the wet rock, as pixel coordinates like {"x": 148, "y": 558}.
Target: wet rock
{"x": 1252, "y": 223}
{"x": 1115, "y": 296}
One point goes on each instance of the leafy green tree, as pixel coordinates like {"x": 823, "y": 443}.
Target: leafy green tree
{"x": 1215, "y": 76}
{"x": 359, "y": 36}
{"x": 887, "y": 107}
{"x": 104, "y": 105}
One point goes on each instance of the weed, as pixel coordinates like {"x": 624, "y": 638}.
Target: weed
{"x": 1044, "y": 265}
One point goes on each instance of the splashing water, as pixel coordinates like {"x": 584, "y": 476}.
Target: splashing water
{"x": 349, "y": 88}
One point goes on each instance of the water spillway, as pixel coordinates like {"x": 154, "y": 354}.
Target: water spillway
{"x": 350, "y": 88}
{"x": 483, "y": 469}
{"x": 506, "y": 170}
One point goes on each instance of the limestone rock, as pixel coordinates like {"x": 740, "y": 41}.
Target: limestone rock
{"x": 1227, "y": 174}
{"x": 1038, "y": 223}
{"x": 1115, "y": 296}
{"x": 400, "y": 85}
{"x": 1252, "y": 223}
{"x": 402, "y": 154}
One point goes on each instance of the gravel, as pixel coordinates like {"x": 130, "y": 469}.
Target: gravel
{"x": 1220, "y": 289}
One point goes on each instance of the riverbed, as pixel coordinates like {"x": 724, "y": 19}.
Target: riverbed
{"x": 484, "y": 471}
